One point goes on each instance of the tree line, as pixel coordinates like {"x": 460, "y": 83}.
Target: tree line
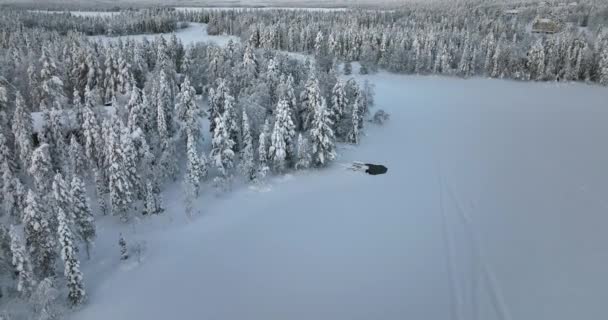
{"x": 465, "y": 39}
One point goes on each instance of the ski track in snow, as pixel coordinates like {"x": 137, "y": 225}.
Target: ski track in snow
{"x": 336, "y": 244}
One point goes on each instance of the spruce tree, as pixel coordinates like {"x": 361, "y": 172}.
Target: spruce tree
{"x": 353, "y": 133}
{"x": 604, "y": 66}
{"x": 263, "y": 151}
{"x": 84, "y": 222}
{"x": 21, "y": 262}
{"x": 22, "y": 130}
{"x": 195, "y": 168}
{"x": 120, "y": 186}
{"x": 281, "y": 140}
{"x": 247, "y": 165}
{"x": 188, "y": 112}
{"x": 303, "y": 153}
{"x": 153, "y": 201}
{"x": 71, "y": 271}
{"x": 6, "y": 155}
{"x": 100, "y": 191}
{"x": 76, "y": 157}
{"x": 92, "y": 132}
{"x": 12, "y": 193}
{"x": 339, "y": 104}
{"x": 322, "y": 137}
{"x": 41, "y": 169}
{"x": 39, "y": 236}
{"x": 536, "y": 60}
{"x": 250, "y": 63}
{"x": 311, "y": 100}
{"x": 222, "y": 154}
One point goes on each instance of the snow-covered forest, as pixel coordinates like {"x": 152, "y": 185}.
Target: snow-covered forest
{"x": 98, "y": 129}
{"x": 105, "y": 126}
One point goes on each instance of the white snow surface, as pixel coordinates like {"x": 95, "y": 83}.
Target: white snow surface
{"x": 261, "y": 8}
{"x": 193, "y": 33}
{"x": 493, "y": 208}
{"x": 82, "y": 13}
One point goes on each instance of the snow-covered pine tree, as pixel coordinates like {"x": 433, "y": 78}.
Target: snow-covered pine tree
{"x": 21, "y": 262}
{"x": 186, "y": 66}
{"x": 6, "y": 154}
{"x": 41, "y": 169}
{"x": 222, "y": 154}
{"x": 39, "y": 236}
{"x": 281, "y": 140}
{"x": 123, "y": 80}
{"x": 136, "y": 110}
{"x": 303, "y": 153}
{"x": 161, "y": 121}
{"x": 322, "y": 137}
{"x": 84, "y": 222}
{"x": 194, "y": 166}
{"x": 465, "y": 67}
{"x": 120, "y": 186}
{"x": 153, "y": 201}
{"x": 217, "y": 98}
{"x": 12, "y": 193}
{"x": 319, "y": 44}
{"x": 287, "y": 93}
{"x": 76, "y": 157}
{"x": 188, "y": 112}
{"x": 71, "y": 271}
{"x": 231, "y": 121}
{"x": 22, "y": 131}
{"x": 604, "y": 66}
{"x": 496, "y": 71}
{"x": 194, "y": 174}
{"x": 58, "y": 148}
{"x": 263, "y": 141}
{"x": 353, "y": 133}
{"x": 247, "y": 164}
{"x": 51, "y": 95}
{"x": 100, "y": 191}
{"x": 536, "y": 60}
{"x": 339, "y": 105}
{"x": 310, "y": 101}
{"x": 250, "y": 63}
{"x": 130, "y": 162}
{"x": 91, "y": 132}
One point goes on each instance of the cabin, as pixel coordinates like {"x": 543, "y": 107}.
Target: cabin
{"x": 545, "y": 26}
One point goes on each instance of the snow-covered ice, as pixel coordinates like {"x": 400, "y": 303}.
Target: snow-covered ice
{"x": 260, "y": 8}
{"x": 82, "y": 13}
{"x": 493, "y": 208}
{"x": 193, "y": 33}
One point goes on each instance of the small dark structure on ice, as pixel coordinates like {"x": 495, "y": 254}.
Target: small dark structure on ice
{"x": 369, "y": 168}
{"x": 375, "y": 169}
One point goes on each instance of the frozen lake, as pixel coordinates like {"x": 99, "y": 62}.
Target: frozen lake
{"x": 195, "y": 32}
{"x": 82, "y": 13}
{"x": 260, "y": 8}
{"x": 493, "y": 208}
